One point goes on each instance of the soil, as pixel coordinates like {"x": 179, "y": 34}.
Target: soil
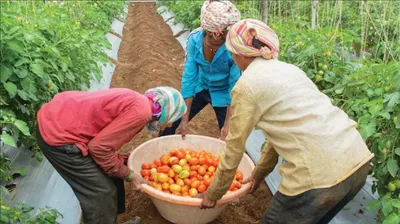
{"x": 150, "y": 56}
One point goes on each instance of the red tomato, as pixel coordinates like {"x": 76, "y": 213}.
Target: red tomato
{"x": 187, "y": 181}
{"x": 192, "y": 174}
{"x": 200, "y": 177}
{"x": 176, "y": 178}
{"x": 194, "y": 168}
{"x": 202, "y": 161}
{"x": 209, "y": 174}
{"x": 165, "y": 186}
{"x": 181, "y": 155}
{"x": 206, "y": 176}
{"x": 145, "y": 172}
{"x": 215, "y": 163}
{"x": 174, "y": 162}
{"x": 185, "y": 188}
{"x": 146, "y": 166}
{"x": 153, "y": 177}
{"x": 177, "y": 193}
{"x": 167, "y": 191}
{"x": 195, "y": 184}
{"x": 233, "y": 186}
{"x": 173, "y": 152}
{"x": 186, "y": 167}
{"x": 171, "y": 173}
{"x": 158, "y": 187}
{"x": 163, "y": 169}
{"x": 237, "y": 184}
{"x": 194, "y": 161}
{"x": 193, "y": 179}
{"x": 207, "y": 182}
{"x": 180, "y": 182}
{"x": 202, "y": 188}
{"x": 157, "y": 162}
{"x": 185, "y": 193}
{"x": 202, "y": 170}
{"x": 153, "y": 165}
{"x": 210, "y": 161}
{"x": 211, "y": 169}
{"x": 239, "y": 175}
{"x": 146, "y": 178}
{"x": 171, "y": 181}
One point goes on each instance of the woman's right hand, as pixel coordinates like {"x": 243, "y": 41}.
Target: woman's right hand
{"x": 137, "y": 181}
{"x": 182, "y": 128}
{"x": 255, "y": 184}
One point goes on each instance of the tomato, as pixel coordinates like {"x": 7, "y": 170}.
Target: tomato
{"x": 153, "y": 170}
{"x": 210, "y": 161}
{"x": 232, "y": 187}
{"x": 215, "y": 162}
{"x": 211, "y": 169}
{"x": 193, "y": 179}
{"x": 145, "y": 172}
{"x": 237, "y": 184}
{"x": 180, "y": 182}
{"x": 176, "y": 177}
{"x": 209, "y": 174}
{"x": 146, "y": 178}
{"x": 194, "y": 161}
{"x": 146, "y": 166}
{"x": 194, "y": 168}
{"x": 187, "y": 181}
{"x": 239, "y": 175}
{"x": 235, "y": 189}
{"x": 391, "y": 187}
{"x": 184, "y": 174}
{"x": 153, "y": 166}
{"x": 167, "y": 191}
{"x": 177, "y": 193}
{"x": 158, "y": 187}
{"x": 186, "y": 167}
{"x": 192, "y": 174}
{"x": 202, "y": 188}
{"x": 195, "y": 184}
{"x": 164, "y": 161}
{"x": 175, "y": 188}
{"x": 157, "y": 162}
{"x": 206, "y": 176}
{"x": 207, "y": 181}
{"x": 162, "y": 177}
{"x": 177, "y": 168}
{"x": 185, "y": 194}
{"x": 165, "y": 186}
{"x": 185, "y": 188}
{"x": 171, "y": 173}
{"x": 193, "y": 192}
{"x": 182, "y": 162}
{"x": 171, "y": 181}
{"x": 163, "y": 169}
{"x": 202, "y": 170}
{"x": 153, "y": 177}
{"x": 173, "y": 152}
{"x": 202, "y": 161}
{"x": 181, "y": 155}
{"x": 199, "y": 177}
{"x": 188, "y": 157}
{"x": 173, "y": 160}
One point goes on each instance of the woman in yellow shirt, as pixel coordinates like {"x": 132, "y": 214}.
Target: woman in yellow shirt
{"x": 326, "y": 160}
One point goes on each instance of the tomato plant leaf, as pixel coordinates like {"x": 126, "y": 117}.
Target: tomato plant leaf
{"x": 394, "y": 100}
{"x": 384, "y": 114}
{"x": 39, "y": 156}
{"x": 22, "y": 126}
{"x": 16, "y": 46}
{"x": 387, "y": 208}
{"x": 26, "y": 209}
{"x": 5, "y": 73}
{"x": 21, "y": 62}
{"x": 374, "y": 109}
{"x": 392, "y": 219}
{"x": 397, "y": 151}
{"x": 373, "y": 205}
{"x": 368, "y": 129}
{"x": 37, "y": 69}
{"x": 11, "y": 89}
{"x": 23, "y": 94}
{"x": 64, "y": 66}
{"x": 392, "y": 167}
{"x": 396, "y": 203}
{"x": 8, "y": 139}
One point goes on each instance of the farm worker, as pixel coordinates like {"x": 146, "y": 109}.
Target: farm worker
{"x": 80, "y": 133}
{"x": 326, "y": 162}
{"x": 209, "y": 71}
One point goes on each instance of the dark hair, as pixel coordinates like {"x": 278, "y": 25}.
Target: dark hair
{"x": 258, "y": 44}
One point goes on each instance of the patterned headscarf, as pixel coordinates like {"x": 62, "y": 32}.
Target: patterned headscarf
{"x": 239, "y": 40}
{"x": 169, "y": 106}
{"x": 218, "y": 15}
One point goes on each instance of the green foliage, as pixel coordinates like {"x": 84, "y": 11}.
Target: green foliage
{"x": 333, "y": 56}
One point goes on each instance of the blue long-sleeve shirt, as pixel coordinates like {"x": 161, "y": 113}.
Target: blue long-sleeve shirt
{"x": 218, "y": 77}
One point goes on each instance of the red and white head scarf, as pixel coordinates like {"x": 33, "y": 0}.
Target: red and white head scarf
{"x": 218, "y": 15}
{"x": 239, "y": 40}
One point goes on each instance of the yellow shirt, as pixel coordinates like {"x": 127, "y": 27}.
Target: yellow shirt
{"x": 318, "y": 142}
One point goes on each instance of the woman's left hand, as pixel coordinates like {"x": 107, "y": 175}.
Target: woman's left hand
{"x": 207, "y": 202}
{"x": 224, "y": 132}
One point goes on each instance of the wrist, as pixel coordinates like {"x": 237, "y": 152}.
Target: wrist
{"x": 130, "y": 176}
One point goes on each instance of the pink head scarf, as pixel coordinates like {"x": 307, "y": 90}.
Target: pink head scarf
{"x": 239, "y": 40}
{"x": 218, "y": 15}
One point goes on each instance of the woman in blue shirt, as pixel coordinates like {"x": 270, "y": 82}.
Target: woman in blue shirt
{"x": 209, "y": 72}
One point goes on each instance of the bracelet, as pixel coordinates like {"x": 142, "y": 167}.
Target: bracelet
{"x": 129, "y": 178}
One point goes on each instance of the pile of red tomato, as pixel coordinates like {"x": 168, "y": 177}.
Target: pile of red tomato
{"x": 185, "y": 172}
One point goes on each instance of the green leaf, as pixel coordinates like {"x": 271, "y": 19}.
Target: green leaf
{"x": 23, "y": 94}
{"x": 384, "y": 114}
{"x": 373, "y": 205}
{"x": 396, "y": 203}
{"x": 64, "y": 66}
{"x": 397, "y": 151}
{"x": 367, "y": 130}
{"x": 37, "y": 69}
{"x": 392, "y": 219}
{"x": 387, "y": 208}
{"x": 11, "y": 89}
{"x": 5, "y": 73}
{"x": 394, "y": 100}
{"x": 8, "y": 139}
{"x": 26, "y": 209}
{"x": 392, "y": 167}
{"x": 16, "y": 46}
{"x": 22, "y": 126}
{"x": 56, "y": 51}
{"x": 39, "y": 156}
{"x": 374, "y": 109}
{"x": 21, "y": 62}
{"x": 4, "y": 192}
{"x": 22, "y": 73}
